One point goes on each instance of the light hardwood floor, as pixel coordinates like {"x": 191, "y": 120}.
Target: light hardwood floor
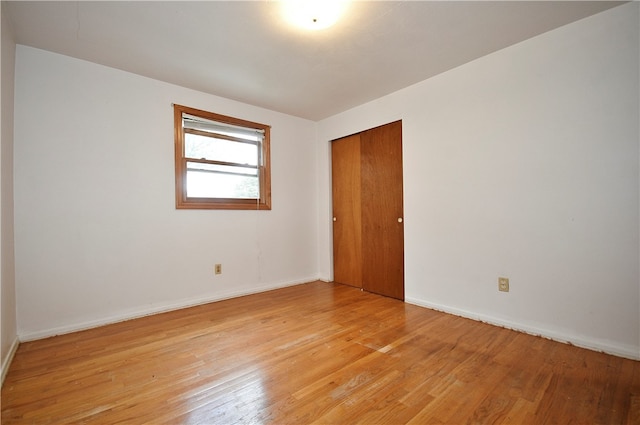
{"x": 314, "y": 353}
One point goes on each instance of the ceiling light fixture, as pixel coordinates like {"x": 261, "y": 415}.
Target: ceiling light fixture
{"x": 313, "y": 14}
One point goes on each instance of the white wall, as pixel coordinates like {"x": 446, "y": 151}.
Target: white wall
{"x": 9, "y": 341}
{"x": 522, "y": 164}
{"x": 98, "y": 237}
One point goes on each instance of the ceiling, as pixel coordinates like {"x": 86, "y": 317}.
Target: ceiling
{"x": 246, "y": 51}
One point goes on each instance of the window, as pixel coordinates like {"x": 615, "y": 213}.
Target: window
{"x": 221, "y": 162}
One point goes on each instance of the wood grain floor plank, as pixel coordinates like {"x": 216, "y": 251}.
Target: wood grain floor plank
{"x": 314, "y": 353}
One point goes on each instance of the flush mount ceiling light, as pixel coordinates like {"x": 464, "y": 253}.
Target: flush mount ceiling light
{"x": 313, "y": 14}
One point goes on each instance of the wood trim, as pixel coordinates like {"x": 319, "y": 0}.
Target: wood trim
{"x": 222, "y": 204}
{"x": 264, "y": 169}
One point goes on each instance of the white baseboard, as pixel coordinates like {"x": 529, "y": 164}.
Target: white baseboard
{"x": 629, "y": 352}
{"x": 608, "y": 347}
{"x": 156, "y": 309}
{"x": 6, "y": 362}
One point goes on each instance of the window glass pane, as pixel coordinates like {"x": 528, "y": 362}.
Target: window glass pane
{"x": 210, "y": 148}
{"x": 210, "y": 184}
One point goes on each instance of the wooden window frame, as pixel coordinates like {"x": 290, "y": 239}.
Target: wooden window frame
{"x": 264, "y": 168}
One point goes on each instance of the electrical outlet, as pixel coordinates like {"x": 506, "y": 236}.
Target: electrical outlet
{"x": 218, "y": 269}
{"x": 503, "y": 284}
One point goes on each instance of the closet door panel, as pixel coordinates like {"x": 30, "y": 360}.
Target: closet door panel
{"x": 382, "y": 211}
{"x": 347, "y": 210}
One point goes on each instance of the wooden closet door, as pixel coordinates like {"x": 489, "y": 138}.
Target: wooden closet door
{"x": 347, "y": 225}
{"x": 382, "y": 211}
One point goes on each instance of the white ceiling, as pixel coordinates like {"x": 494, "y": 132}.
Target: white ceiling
{"x": 244, "y": 50}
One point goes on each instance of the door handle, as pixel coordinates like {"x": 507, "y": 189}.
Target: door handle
{"x": 399, "y": 219}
